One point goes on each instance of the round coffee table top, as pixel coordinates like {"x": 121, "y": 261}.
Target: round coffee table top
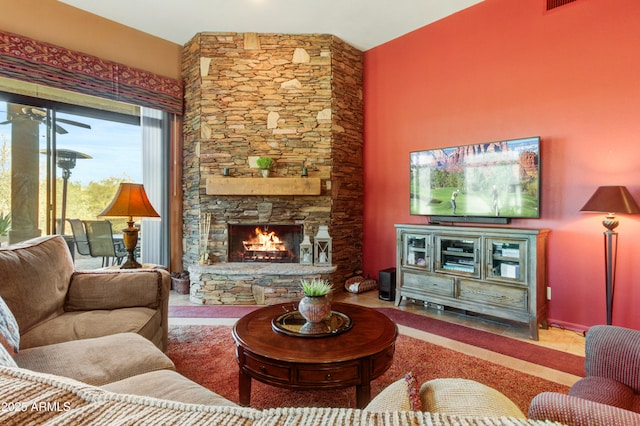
{"x": 371, "y": 333}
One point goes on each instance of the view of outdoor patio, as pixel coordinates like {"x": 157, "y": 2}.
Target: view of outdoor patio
{"x": 64, "y": 163}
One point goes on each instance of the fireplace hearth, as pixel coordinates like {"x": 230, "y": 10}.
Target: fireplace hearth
{"x": 263, "y": 268}
{"x": 264, "y": 243}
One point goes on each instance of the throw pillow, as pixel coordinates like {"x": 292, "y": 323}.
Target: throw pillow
{"x": 359, "y": 284}
{"x": 9, "y": 332}
{"x": 465, "y": 397}
{"x": 401, "y": 395}
{"x": 6, "y": 360}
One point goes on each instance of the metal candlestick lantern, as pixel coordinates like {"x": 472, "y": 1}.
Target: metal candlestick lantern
{"x": 306, "y": 251}
{"x": 322, "y": 247}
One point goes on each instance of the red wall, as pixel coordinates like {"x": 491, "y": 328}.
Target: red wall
{"x": 506, "y": 69}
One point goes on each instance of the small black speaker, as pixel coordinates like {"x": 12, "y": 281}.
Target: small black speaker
{"x": 387, "y": 284}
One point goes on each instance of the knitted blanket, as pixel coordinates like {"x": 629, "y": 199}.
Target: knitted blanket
{"x": 27, "y": 397}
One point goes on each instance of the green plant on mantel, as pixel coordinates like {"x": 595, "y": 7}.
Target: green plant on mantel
{"x": 265, "y": 163}
{"x": 315, "y": 287}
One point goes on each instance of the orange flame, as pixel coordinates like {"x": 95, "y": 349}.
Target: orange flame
{"x": 264, "y": 242}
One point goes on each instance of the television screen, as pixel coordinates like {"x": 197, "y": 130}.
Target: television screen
{"x": 496, "y": 179}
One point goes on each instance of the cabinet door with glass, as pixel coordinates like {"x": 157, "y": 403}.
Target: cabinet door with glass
{"x": 507, "y": 260}
{"x": 416, "y": 251}
{"x": 458, "y": 255}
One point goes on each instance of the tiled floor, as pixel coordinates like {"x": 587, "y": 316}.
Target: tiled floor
{"x": 87, "y": 262}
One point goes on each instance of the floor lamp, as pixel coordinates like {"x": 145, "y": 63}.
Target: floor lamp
{"x": 611, "y": 200}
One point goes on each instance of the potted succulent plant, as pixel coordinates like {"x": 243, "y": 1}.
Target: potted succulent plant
{"x": 265, "y": 164}
{"x": 315, "y": 306}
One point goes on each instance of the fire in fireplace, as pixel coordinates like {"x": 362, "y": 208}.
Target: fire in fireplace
{"x": 264, "y": 243}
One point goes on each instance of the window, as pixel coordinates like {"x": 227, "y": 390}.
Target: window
{"x": 60, "y": 160}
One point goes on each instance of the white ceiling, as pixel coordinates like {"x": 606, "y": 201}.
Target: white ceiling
{"x": 362, "y": 23}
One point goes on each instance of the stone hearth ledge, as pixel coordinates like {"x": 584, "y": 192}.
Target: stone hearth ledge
{"x": 263, "y": 268}
{"x": 251, "y": 283}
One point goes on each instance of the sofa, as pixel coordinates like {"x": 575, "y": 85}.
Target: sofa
{"x": 53, "y": 303}
{"x": 112, "y": 369}
{"x": 610, "y": 391}
{"x": 103, "y": 328}
{"x": 106, "y": 329}
{"x": 36, "y": 398}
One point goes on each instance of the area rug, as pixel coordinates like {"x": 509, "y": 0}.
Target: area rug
{"x": 558, "y": 360}
{"x": 206, "y": 355}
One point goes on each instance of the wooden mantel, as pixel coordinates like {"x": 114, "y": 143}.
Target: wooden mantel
{"x": 263, "y": 186}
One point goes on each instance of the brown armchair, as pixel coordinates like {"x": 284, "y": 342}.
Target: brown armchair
{"x": 610, "y": 391}
{"x": 53, "y": 303}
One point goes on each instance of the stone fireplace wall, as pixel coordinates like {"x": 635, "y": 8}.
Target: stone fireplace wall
{"x": 295, "y": 98}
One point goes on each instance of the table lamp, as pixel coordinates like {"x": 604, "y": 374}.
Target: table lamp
{"x": 130, "y": 200}
{"x": 611, "y": 200}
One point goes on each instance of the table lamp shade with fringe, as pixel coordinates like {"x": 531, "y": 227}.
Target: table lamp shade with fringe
{"x": 130, "y": 201}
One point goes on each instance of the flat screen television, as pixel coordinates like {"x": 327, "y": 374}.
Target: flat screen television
{"x": 486, "y": 182}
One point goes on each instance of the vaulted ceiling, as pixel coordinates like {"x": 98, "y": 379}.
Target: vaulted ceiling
{"x": 362, "y": 23}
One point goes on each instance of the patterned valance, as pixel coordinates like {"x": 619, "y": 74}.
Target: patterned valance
{"x": 33, "y": 61}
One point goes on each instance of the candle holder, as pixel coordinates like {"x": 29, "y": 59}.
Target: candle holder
{"x": 306, "y": 251}
{"x": 322, "y": 247}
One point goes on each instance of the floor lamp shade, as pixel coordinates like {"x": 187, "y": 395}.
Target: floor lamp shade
{"x": 130, "y": 201}
{"x": 611, "y": 200}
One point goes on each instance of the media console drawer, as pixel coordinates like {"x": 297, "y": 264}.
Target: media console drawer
{"x": 512, "y": 297}
{"x": 428, "y": 282}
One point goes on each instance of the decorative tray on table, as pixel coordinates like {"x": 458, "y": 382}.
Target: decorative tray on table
{"x": 294, "y": 324}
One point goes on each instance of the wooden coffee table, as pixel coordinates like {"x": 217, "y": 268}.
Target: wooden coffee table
{"x": 352, "y": 358}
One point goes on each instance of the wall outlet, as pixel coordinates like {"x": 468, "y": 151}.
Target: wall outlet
{"x": 548, "y": 293}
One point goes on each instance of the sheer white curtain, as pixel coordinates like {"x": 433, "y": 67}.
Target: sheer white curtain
{"x": 155, "y": 177}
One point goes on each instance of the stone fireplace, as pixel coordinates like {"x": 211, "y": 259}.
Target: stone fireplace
{"x": 297, "y": 99}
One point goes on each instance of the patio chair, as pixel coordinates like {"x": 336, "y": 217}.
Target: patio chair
{"x": 102, "y": 243}
{"x": 79, "y": 236}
